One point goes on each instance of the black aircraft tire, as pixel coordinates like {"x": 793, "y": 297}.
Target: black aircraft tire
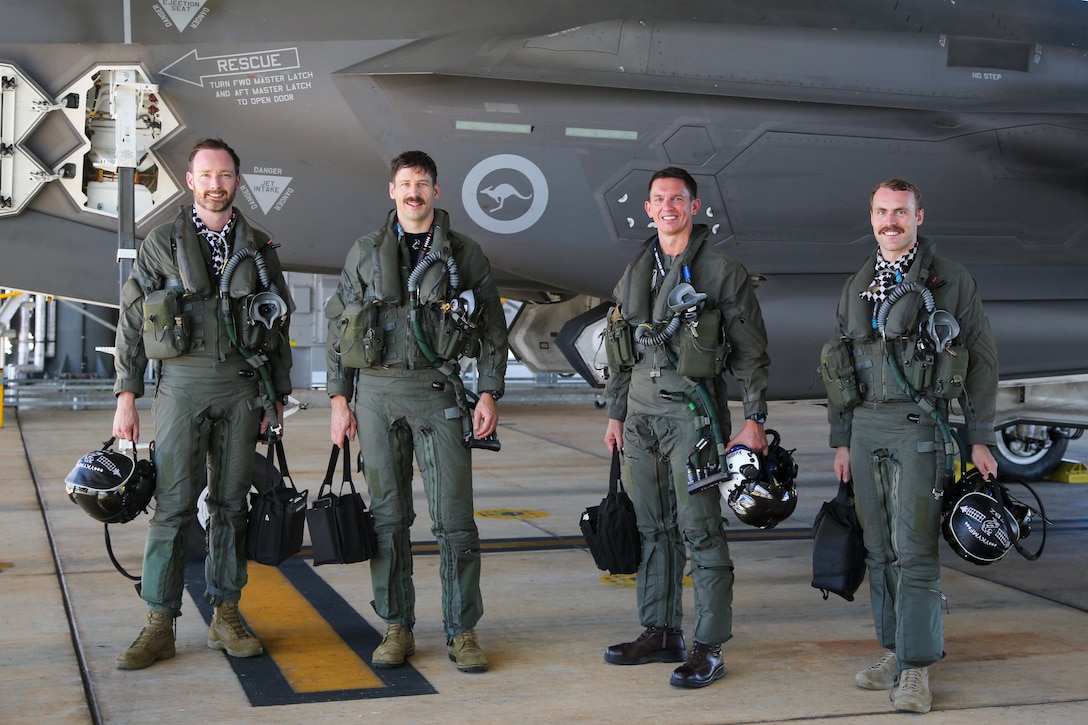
{"x": 1011, "y": 467}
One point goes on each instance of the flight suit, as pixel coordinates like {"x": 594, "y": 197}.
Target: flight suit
{"x": 659, "y": 434}
{"x": 896, "y": 450}
{"x": 208, "y": 403}
{"x": 403, "y": 404}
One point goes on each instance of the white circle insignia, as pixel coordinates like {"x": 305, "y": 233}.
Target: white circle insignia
{"x": 472, "y": 194}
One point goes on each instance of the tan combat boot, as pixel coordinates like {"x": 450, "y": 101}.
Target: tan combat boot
{"x": 911, "y": 692}
{"x": 880, "y": 676}
{"x": 228, "y": 633}
{"x": 397, "y": 644}
{"x": 465, "y": 652}
{"x": 156, "y": 642}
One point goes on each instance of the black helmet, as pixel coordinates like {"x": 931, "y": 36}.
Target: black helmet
{"x": 111, "y": 487}
{"x": 978, "y": 525}
{"x": 767, "y": 495}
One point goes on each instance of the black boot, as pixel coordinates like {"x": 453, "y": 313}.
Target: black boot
{"x": 655, "y": 644}
{"x": 704, "y": 665}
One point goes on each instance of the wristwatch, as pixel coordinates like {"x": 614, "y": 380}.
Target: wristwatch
{"x": 495, "y": 394}
{"x": 759, "y": 417}
{"x": 282, "y": 397}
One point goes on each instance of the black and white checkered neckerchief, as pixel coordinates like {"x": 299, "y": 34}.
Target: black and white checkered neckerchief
{"x": 888, "y": 275}
{"x": 216, "y": 240}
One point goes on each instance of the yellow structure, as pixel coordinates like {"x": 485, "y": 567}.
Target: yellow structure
{"x": 1070, "y": 472}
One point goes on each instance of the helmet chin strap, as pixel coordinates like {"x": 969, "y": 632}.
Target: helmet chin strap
{"x": 113, "y": 558}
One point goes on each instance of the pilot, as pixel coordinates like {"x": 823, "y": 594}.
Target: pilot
{"x": 885, "y": 438}
{"x": 650, "y": 406}
{"x": 216, "y": 393}
{"x": 414, "y": 298}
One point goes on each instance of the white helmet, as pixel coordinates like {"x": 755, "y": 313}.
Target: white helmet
{"x": 762, "y": 492}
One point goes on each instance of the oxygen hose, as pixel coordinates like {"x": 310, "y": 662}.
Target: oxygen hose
{"x": 897, "y": 293}
{"x": 708, "y": 408}
{"x": 430, "y": 259}
{"x": 645, "y": 335}
{"x": 462, "y": 395}
{"x": 715, "y": 425}
{"x": 947, "y": 435}
{"x": 258, "y": 361}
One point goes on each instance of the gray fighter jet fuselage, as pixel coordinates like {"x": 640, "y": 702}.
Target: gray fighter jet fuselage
{"x": 547, "y": 120}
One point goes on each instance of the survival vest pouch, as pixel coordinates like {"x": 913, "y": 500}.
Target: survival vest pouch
{"x": 263, "y": 318}
{"x": 166, "y": 331}
{"x": 702, "y": 349}
{"x": 619, "y": 343}
{"x": 950, "y": 372}
{"x": 359, "y": 343}
{"x": 837, "y": 372}
{"x": 940, "y": 375}
{"x": 449, "y": 339}
{"x": 917, "y": 364}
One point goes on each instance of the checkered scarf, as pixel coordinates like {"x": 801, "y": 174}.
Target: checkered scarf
{"x": 888, "y": 275}
{"x": 216, "y": 240}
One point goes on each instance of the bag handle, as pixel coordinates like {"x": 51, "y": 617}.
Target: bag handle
{"x": 347, "y": 469}
{"x": 266, "y": 479}
{"x": 281, "y": 456}
{"x": 615, "y": 483}
{"x": 846, "y": 492}
{"x": 333, "y": 458}
{"x": 275, "y": 452}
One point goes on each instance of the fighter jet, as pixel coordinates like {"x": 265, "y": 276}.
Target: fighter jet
{"x": 547, "y": 120}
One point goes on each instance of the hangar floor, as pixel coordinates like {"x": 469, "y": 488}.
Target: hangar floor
{"x": 1017, "y": 631}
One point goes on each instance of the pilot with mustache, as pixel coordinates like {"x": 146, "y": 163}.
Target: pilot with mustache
{"x": 657, "y": 435}
{"x": 415, "y": 297}
{"x": 886, "y": 442}
{"x": 211, "y": 402}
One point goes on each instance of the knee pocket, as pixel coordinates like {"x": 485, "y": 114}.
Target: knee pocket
{"x": 709, "y": 549}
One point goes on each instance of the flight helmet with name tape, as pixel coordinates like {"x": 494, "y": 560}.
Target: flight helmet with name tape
{"x": 110, "y": 486}
{"x": 766, "y": 494}
{"x": 982, "y": 522}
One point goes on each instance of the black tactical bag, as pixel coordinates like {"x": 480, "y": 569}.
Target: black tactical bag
{"x": 277, "y": 515}
{"x": 838, "y": 549}
{"x": 610, "y": 529}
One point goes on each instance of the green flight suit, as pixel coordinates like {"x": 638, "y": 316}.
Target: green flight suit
{"x": 659, "y": 434}
{"x": 403, "y": 405}
{"x": 896, "y": 450}
{"x": 207, "y": 406}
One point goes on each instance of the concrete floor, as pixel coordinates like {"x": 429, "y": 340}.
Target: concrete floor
{"x": 1017, "y": 631}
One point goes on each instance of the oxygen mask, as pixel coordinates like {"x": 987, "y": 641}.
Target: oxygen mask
{"x": 266, "y": 308}
{"x": 942, "y": 328}
{"x": 685, "y": 301}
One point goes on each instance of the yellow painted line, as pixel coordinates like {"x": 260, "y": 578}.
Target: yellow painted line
{"x": 630, "y": 581}
{"x": 307, "y": 650}
{"x": 511, "y": 514}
